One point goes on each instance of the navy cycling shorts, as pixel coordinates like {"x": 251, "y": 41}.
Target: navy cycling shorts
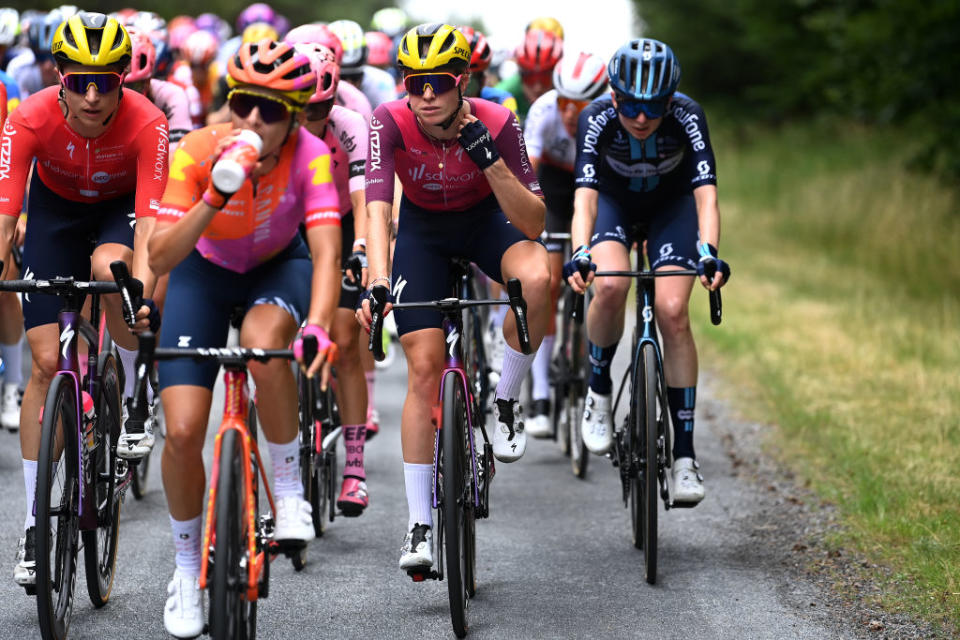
{"x": 428, "y": 240}
{"x": 669, "y": 226}
{"x": 61, "y": 236}
{"x": 349, "y": 292}
{"x": 201, "y": 298}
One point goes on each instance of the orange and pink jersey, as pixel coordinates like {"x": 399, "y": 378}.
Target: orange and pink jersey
{"x": 256, "y": 223}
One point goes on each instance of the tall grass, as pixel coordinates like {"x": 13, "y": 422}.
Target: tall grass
{"x": 843, "y": 319}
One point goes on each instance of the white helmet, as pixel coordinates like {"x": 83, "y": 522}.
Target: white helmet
{"x": 354, "y": 42}
{"x": 580, "y": 77}
{"x": 9, "y": 26}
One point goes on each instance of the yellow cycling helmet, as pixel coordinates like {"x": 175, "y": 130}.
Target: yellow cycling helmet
{"x": 431, "y": 46}
{"x": 92, "y": 39}
{"x": 547, "y": 23}
{"x": 259, "y": 31}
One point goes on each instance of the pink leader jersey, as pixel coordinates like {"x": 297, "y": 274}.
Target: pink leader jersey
{"x": 440, "y": 176}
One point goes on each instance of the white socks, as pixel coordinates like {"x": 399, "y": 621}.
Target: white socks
{"x": 30, "y": 482}
{"x": 515, "y": 368}
{"x": 186, "y": 541}
{"x": 541, "y": 369}
{"x": 418, "y": 479}
{"x": 12, "y": 356}
{"x": 286, "y": 468}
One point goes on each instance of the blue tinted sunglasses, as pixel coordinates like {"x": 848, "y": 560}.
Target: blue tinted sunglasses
{"x": 631, "y": 108}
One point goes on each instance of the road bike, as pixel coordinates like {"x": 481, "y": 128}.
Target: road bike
{"x": 642, "y": 447}
{"x": 238, "y": 543}
{"x": 81, "y": 483}
{"x": 461, "y": 487}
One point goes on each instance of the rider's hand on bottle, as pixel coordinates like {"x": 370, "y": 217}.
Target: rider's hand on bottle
{"x": 571, "y": 270}
{"x": 710, "y": 263}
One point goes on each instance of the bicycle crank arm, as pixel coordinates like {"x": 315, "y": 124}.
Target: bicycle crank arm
{"x": 419, "y": 575}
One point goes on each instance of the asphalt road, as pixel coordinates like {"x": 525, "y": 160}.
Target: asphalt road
{"x": 554, "y": 560}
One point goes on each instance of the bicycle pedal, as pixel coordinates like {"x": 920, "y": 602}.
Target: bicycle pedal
{"x": 682, "y": 505}
{"x": 419, "y": 574}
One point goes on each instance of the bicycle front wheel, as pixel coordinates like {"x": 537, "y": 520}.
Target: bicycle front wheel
{"x": 310, "y": 461}
{"x": 100, "y": 544}
{"x": 229, "y": 608}
{"x": 644, "y": 459}
{"x": 458, "y": 521}
{"x": 576, "y": 393}
{"x": 57, "y": 502}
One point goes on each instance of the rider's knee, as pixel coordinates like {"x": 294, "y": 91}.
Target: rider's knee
{"x": 45, "y": 363}
{"x": 611, "y": 292}
{"x": 184, "y": 437}
{"x": 673, "y": 317}
{"x": 424, "y": 374}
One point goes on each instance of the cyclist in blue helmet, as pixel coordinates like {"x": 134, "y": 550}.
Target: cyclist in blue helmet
{"x": 645, "y": 170}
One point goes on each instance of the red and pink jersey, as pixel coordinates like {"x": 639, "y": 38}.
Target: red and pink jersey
{"x": 254, "y": 225}
{"x": 131, "y": 155}
{"x": 439, "y": 176}
{"x": 347, "y": 135}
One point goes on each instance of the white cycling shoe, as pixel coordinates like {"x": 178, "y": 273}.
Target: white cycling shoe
{"x": 687, "y": 481}
{"x": 596, "y": 427}
{"x": 183, "y": 614}
{"x": 294, "y": 520}
{"x": 509, "y": 437}
{"x": 417, "y": 549}
{"x": 10, "y": 407}
{"x": 538, "y": 424}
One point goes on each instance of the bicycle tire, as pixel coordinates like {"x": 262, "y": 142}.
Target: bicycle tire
{"x": 139, "y": 481}
{"x": 576, "y": 395}
{"x": 310, "y": 461}
{"x": 644, "y": 460}
{"x": 457, "y": 501}
{"x": 562, "y": 374}
{"x": 228, "y": 588}
{"x": 100, "y": 544}
{"x": 56, "y": 578}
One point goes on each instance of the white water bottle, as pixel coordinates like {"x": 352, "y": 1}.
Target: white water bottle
{"x": 229, "y": 172}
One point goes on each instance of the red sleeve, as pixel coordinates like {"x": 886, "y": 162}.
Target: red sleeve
{"x": 18, "y": 145}
{"x": 153, "y": 144}
{"x": 513, "y": 150}
{"x": 384, "y": 138}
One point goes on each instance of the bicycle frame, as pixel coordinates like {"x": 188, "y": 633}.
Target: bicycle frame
{"x": 235, "y": 413}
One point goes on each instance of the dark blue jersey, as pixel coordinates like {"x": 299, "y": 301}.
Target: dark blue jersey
{"x": 675, "y": 159}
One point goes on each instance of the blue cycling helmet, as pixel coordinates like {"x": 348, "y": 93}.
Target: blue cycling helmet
{"x": 41, "y": 31}
{"x": 644, "y": 69}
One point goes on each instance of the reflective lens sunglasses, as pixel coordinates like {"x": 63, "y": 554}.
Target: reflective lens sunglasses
{"x": 578, "y": 105}
{"x": 271, "y": 109}
{"x": 318, "y": 110}
{"x": 80, "y": 82}
{"x": 631, "y": 108}
{"x": 439, "y": 83}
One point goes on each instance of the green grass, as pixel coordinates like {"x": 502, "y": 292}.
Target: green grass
{"x": 842, "y": 326}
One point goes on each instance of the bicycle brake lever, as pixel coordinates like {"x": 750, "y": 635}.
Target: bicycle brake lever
{"x": 519, "y": 306}
{"x": 131, "y": 291}
{"x": 378, "y": 301}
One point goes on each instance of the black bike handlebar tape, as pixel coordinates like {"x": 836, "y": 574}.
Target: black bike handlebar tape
{"x": 309, "y": 350}
{"x": 131, "y": 291}
{"x": 583, "y": 266}
{"x": 716, "y": 303}
{"x": 519, "y": 306}
{"x": 147, "y": 343}
{"x": 378, "y": 301}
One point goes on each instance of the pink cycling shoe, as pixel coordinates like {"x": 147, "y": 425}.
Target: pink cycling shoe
{"x": 353, "y": 497}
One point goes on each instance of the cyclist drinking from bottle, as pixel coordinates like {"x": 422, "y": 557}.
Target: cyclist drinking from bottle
{"x": 644, "y": 162}
{"x": 227, "y": 245}
{"x": 469, "y": 192}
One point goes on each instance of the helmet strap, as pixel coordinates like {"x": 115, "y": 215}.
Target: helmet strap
{"x": 456, "y": 112}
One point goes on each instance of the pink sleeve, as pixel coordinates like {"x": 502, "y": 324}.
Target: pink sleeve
{"x": 321, "y": 203}
{"x": 153, "y": 155}
{"x": 18, "y": 144}
{"x": 355, "y": 140}
{"x": 352, "y": 98}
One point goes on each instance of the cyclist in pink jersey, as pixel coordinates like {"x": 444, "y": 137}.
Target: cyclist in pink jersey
{"x": 345, "y": 132}
{"x": 468, "y": 192}
{"x": 349, "y": 97}
{"x": 244, "y": 248}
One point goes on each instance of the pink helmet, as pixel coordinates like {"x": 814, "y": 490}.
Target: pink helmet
{"x": 144, "y": 56}
{"x": 200, "y": 48}
{"x": 323, "y": 63}
{"x": 379, "y": 49}
{"x": 316, "y": 34}
{"x": 179, "y": 32}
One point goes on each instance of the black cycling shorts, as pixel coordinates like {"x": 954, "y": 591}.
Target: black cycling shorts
{"x": 61, "y": 236}
{"x": 669, "y": 225}
{"x": 426, "y": 243}
{"x": 201, "y": 297}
